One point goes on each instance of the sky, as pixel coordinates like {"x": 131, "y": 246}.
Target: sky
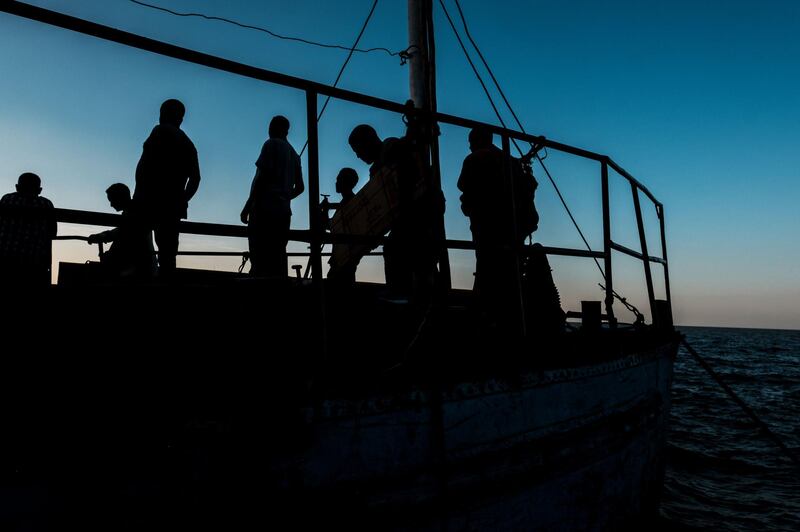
{"x": 697, "y": 99}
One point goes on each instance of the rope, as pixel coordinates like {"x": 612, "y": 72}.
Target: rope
{"x": 477, "y": 74}
{"x": 571, "y": 217}
{"x": 403, "y": 54}
{"x": 486, "y": 64}
{"x": 519, "y": 123}
{"x": 629, "y": 306}
{"x": 344, "y": 65}
{"x": 747, "y": 410}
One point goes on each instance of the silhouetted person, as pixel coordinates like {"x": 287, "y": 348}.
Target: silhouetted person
{"x": 346, "y": 181}
{"x": 486, "y": 200}
{"x": 27, "y": 228}
{"x": 267, "y": 211}
{"x": 167, "y": 177}
{"x": 131, "y": 254}
{"x": 409, "y": 254}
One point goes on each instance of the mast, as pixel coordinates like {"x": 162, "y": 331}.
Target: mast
{"x": 422, "y": 91}
{"x": 418, "y": 62}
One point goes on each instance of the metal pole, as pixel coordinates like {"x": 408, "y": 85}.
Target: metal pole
{"x": 648, "y": 275}
{"x": 315, "y": 220}
{"x": 660, "y": 211}
{"x": 445, "y": 279}
{"x": 609, "y": 300}
{"x": 313, "y": 187}
{"x": 422, "y": 90}
{"x": 418, "y": 62}
{"x": 515, "y": 244}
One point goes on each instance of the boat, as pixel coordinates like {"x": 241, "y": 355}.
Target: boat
{"x": 154, "y": 399}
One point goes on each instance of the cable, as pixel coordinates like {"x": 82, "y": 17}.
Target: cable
{"x": 477, "y": 74}
{"x": 403, "y": 54}
{"x": 744, "y": 406}
{"x": 485, "y": 64}
{"x": 344, "y": 65}
{"x": 519, "y": 124}
{"x": 571, "y": 217}
{"x": 328, "y": 99}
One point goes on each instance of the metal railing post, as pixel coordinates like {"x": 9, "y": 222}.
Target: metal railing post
{"x": 648, "y": 275}
{"x": 515, "y": 243}
{"x": 660, "y": 212}
{"x": 315, "y": 220}
{"x": 609, "y": 299}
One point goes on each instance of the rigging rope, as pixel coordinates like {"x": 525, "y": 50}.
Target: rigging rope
{"x": 627, "y": 305}
{"x": 328, "y": 99}
{"x": 403, "y": 54}
{"x": 516, "y": 118}
{"x": 344, "y": 65}
{"x": 477, "y": 74}
{"x": 745, "y": 408}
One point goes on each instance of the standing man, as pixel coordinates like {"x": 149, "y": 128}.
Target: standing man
{"x": 409, "y": 252}
{"x": 486, "y": 202}
{"x": 27, "y": 228}
{"x": 167, "y": 177}
{"x": 267, "y": 211}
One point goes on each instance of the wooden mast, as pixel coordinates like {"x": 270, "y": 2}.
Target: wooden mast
{"x": 422, "y": 90}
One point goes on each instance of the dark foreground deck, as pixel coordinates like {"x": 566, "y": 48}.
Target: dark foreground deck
{"x": 150, "y": 406}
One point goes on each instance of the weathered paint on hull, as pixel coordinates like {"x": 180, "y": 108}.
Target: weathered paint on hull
{"x": 567, "y": 449}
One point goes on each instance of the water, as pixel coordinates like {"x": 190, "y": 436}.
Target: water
{"x": 722, "y": 473}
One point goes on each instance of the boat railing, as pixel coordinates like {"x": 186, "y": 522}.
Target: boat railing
{"x": 316, "y": 236}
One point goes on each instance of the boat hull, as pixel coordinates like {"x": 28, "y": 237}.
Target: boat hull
{"x": 570, "y": 449}
{"x": 196, "y": 424}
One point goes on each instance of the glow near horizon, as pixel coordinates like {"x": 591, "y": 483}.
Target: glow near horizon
{"x": 76, "y": 110}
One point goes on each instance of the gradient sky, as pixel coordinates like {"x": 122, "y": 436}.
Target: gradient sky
{"x": 697, "y": 99}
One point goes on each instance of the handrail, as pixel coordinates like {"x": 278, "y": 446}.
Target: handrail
{"x": 80, "y": 217}
{"x": 635, "y": 254}
{"x": 621, "y": 171}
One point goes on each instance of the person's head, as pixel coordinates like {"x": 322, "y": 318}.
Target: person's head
{"x": 29, "y": 184}
{"x": 119, "y": 196}
{"x": 479, "y": 138}
{"x": 365, "y": 143}
{"x": 279, "y": 127}
{"x": 172, "y": 112}
{"x": 346, "y": 181}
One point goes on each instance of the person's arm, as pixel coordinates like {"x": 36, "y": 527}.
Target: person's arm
{"x": 464, "y": 182}
{"x": 297, "y": 187}
{"x": 52, "y": 223}
{"x": 144, "y": 164}
{"x": 245, "y": 214}
{"x": 105, "y": 236}
{"x": 194, "y": 178}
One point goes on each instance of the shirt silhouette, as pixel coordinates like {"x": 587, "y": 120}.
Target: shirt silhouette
{"x": 167, "y": 177}
{"x": 267, "y": 211}
{"x": 27, "y": 228}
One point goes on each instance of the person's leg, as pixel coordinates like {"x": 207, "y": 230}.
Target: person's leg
{"x": 389, "y": 262}
{"x": 255, "y": 239}
{"x": 489, "y": 274}
{"x": 286, "y": 223}
{"x": 422, "y": 254}
{"x": 276, "y": 237}
{"x": 399, "y": 262}
{"x": 166, "y": 234}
